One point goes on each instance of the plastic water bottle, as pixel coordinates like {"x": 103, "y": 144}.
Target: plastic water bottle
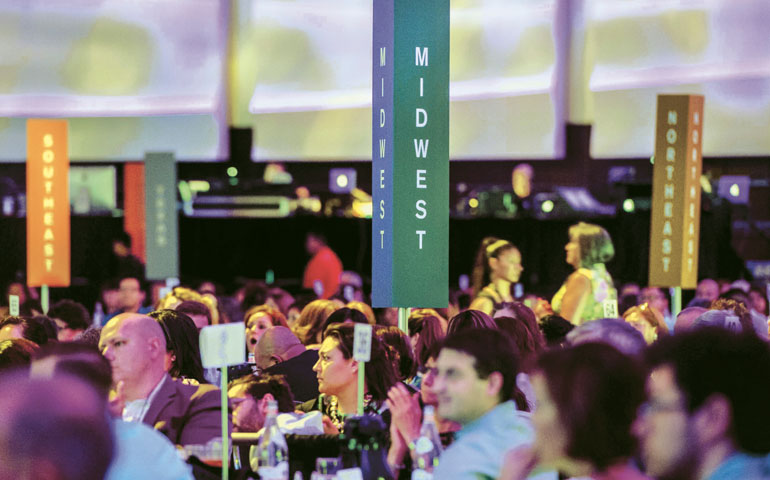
{"x": 427, "y": 448}
{"x": 272, "y": 451}
{"x": 98, "y": 318}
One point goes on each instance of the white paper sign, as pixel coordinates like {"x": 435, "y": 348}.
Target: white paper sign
{"x": 223, "y": 345}
{"x": 350, "y": 473}
{"x": 610, "y": 308}
{"x": 13, "y": 305}
{"x": 362, "y": 342}
{"x": 733, "y": 323}
{"x": 163, "y": 291}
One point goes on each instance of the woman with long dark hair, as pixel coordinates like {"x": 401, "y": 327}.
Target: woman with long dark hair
{"x": 497, "y": 267}
{"x": 183, "y": 355}
{"x": 470, "y": 319}
{"x": 426, "y": 329}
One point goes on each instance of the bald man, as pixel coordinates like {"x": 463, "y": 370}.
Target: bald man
{"x": 135, "y": 346}
{"x": 279, "y": 352}
{"x": 686, "y": 318}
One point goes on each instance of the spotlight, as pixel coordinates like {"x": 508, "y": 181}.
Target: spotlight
{"x": 628, "y": 205}
{"x": 546, "y": 205}
{"x": 569, "y": 202}
{"x": 734, "y": 188}
{"x": 342, "y": 180}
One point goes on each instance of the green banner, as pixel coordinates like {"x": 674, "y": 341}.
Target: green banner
{"x": 410, "y": 153}
{"x": 161, "y": 216}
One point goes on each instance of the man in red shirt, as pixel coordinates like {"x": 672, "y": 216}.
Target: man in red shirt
{"x": 322, "y": 272}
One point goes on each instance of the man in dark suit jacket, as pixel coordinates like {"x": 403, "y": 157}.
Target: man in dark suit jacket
{"x": 186, "y": 414}
{"x": 279, "y": 352}
{"x": 135, "y": 346}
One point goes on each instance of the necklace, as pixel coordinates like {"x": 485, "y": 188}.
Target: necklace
{"x": 338, "y": 418}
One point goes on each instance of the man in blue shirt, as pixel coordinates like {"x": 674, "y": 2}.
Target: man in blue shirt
{"x": 707, "y": 414}
{"x": 132, "y": 296}
{"x": 140, "y": 451}
{"x": 476, "y": 387}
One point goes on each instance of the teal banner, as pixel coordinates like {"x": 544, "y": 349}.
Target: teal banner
{"x": 410, "y": 153}
{"x": 161, "y": 216}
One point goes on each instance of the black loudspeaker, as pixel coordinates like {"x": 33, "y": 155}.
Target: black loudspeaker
{"x": 240, "y": 145}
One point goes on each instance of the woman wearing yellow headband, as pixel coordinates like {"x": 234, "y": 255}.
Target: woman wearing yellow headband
{"x": 497, "y": 267}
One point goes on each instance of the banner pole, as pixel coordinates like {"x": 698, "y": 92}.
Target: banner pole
{"x": 361, "y": 387}
{"x": 676, "y": 300}
{"x": 44, "y": 298}
{"x": 362, "y": 353}
{"x": 403, "y": 320}
{"x": 225, "y": 433}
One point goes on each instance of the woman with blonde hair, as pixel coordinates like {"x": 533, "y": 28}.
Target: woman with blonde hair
{"x": 581, "y": 298}
{"x": 364, "y": 308}
{"x": 648, "y": 320}
{"x": 497, "y": 267}
{"x": 178, "y": 295}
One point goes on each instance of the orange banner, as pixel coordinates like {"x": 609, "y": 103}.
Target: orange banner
{"x": 676, "y": 192}
{"x": 48, "y": 208}
{"x": 133, "y": 207}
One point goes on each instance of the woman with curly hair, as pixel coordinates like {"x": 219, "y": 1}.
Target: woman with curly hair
{"x": 648, "y": 320}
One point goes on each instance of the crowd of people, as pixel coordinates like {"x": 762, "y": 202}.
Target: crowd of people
{"x": 601, "y": 381}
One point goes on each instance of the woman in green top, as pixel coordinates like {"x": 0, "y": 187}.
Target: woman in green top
{"x": 582, "y": 297}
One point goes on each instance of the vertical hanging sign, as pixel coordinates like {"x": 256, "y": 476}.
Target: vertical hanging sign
{"x": 410, "y": 153}
{"x": 48, "y": 208}
{"x": 162, "y": 241}
{"x": 675, "y": 220}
